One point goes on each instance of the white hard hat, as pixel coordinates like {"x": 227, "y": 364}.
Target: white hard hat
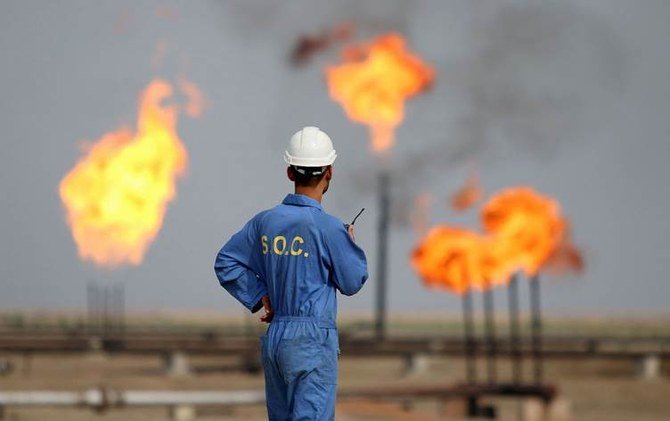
{"x": 310, "y": 147}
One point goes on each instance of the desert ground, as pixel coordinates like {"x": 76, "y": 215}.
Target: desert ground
{"x": 596, "y": 390}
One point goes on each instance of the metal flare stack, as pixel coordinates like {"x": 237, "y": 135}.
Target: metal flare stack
{"x": 382, "y": 253}
{"x": 105, "y": 308}
{"x": 372, "y": 83}
{"x": 516, "y": 384}
{"x": 523, "y": 230}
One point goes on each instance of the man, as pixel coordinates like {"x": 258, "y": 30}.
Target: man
{"x": 291, "y": 260}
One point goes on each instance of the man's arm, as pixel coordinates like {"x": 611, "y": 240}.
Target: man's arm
{"x": 235, "y": 265}
{"x": 348, "y": 263}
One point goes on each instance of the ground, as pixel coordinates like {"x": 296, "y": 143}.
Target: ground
{"x": 593, "y": 390}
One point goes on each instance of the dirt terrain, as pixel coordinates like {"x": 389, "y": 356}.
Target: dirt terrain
{"x": 597, "y": 390}
{"x": 590, "y": 390}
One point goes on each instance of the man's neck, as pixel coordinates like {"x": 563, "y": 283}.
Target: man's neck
{"x": 310, "y": 192}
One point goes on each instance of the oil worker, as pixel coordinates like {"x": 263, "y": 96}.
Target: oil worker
{"x": 291, "y": 260}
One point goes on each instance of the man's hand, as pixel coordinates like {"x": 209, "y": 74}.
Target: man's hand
{"x": 267, "y": 307}
{"x": 350, "y": 230}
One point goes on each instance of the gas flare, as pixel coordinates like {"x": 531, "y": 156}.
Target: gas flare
{"x": 373, "y": 83}
{"x": 567, "y": 258}
{"x": 450, "y": 258}
{"x": 116, "y": 196}
{"x": 523, "y": 230}
{"x": 468, "y": 195}
{"x": 458, "y": 259}
{"x": 528, "y": 224}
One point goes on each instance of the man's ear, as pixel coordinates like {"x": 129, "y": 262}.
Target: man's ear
{"x": 329, "y": 172}
{"x": 290, "y": 173}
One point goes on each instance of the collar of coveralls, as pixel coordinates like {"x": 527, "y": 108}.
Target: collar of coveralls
{"x": 301, "y": 200}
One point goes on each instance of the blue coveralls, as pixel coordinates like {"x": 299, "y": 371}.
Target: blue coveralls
{"x": 298, "y": 255}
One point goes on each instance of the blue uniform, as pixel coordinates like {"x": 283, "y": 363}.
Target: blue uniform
{"x": 298, "y": 255}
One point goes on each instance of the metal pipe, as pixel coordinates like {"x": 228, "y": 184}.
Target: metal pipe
{"x": 89, "y": 306}
{"x": 153, "y": 398}
{"x": 106, "y": 301}
{"x": 102, "y": 398}
{"x": 94, "y": 313}
{"x": 489, "y": 326}
{"x": 514, "y": 338}
{"x": 48, "y": 398}
{"x": 113, "y": 307}
{"x": 468, "y": 331}
{"x": 119, "y": 307}
{"x": 382, "y": 251}
{"x": 116, "y": 307}
{"x": 122, "y": 307}
{"x": 536, "y": 328}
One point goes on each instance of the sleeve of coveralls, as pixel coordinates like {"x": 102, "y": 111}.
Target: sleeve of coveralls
{"x": 235, "y": 265}
{"x": 348, "y": 263}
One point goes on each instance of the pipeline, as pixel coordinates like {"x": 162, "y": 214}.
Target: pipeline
{"x": 102, "y": 399}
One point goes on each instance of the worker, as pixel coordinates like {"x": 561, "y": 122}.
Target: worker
{"x": 291, "y": 260}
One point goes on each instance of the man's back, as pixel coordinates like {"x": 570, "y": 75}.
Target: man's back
{"x": 299, "y": 256}
{"x": 305, "y": 255}
{"x": 291, "y": 260}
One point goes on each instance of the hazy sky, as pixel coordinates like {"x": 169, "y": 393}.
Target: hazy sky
{"x": 571, "y": 98}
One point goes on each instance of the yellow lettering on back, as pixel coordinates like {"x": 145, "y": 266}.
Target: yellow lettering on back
{"x": 264, "y": 243}
{"x": 275, "y": 242}
{"x": 298, "y": 251}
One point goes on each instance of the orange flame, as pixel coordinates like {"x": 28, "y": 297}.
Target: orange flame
{"x": 373, "y": 83}
{"x": 421, "y": 212}
{"x": 197, "y": 102}
{"x": 116, "y": 195}
{"x": 458, "y": 259}
{"x": 528, "y": 224}
{"x": 449, "y": 258}
{"x": 470, "y": 193}
{"x": 523, "y": 230}
{"x": 566, "y": 258}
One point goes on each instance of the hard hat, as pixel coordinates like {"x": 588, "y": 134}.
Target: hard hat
{"x": 310, "y": 147}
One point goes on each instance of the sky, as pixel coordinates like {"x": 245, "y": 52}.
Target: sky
{"x": 570, "y": 98}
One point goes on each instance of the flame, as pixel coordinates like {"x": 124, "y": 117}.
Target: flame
{"x": 449, "y": 258}
{"x": 373, "y": 83}
{"x": 421, "y": 212}
{"x": 523, "y": 230}
{"x": 116, "y": 195}
{"x": 566, "y": 258}
{"x": 528, "y": 224}
{"x": 197, "y": 102}
{"x": 470, "y": 193}
{"x": 458, "y": 259}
